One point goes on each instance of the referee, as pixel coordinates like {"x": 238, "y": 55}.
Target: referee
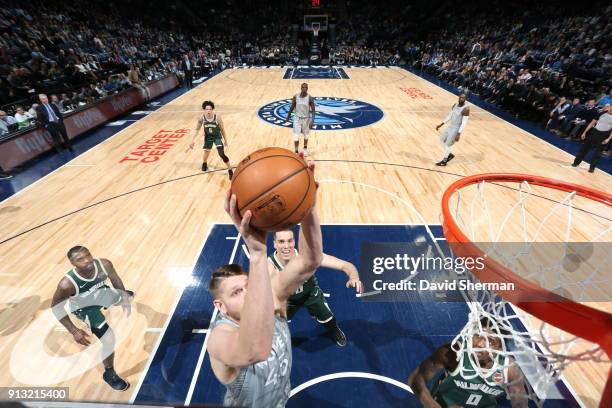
{"x": 597, "y": 135}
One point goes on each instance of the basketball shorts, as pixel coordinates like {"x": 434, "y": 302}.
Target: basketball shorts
{"x": 104, "y": 297}
{"x": 314, "y": 302}
{"x": 209, "y": 140}
{"x": 449, "y": 135}
{"x": 301, "y": 125}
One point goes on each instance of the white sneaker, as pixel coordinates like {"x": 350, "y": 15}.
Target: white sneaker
{"x": 305, "y": 152}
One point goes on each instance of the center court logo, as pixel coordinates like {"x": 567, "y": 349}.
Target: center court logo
{"x": 331, "y": 113}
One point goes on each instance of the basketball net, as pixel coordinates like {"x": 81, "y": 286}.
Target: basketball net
{"x": 540, "y": 349}
{"x": 315, "y": 29}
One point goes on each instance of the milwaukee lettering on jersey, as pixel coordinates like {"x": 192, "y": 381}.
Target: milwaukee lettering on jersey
{"x": 482, "y": 387}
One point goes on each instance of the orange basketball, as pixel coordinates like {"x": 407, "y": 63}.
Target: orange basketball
{"x": 276, "y": 185}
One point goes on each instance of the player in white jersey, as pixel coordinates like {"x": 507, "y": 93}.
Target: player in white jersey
{"x": 249, "y": 344}
{"x": 457, "y": 120}
{"x": 303, "y": 120}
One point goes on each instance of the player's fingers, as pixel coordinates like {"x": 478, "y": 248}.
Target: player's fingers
{"x": 234, "y": 211}
{"x": 226, "y": 204}
{"x": 231, "y": 203}
{"x": 246, "y": 219}
{"x": 359, "y": 287}
{"x": 84, "y": 340}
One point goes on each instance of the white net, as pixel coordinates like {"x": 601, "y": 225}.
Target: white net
{"x": 548, "y": 237}
{"x": 315, "y": 29}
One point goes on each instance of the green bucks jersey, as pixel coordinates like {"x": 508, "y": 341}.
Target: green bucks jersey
{"x": 476, "y": 392}
{"x": 308, "y": 286}
{"x": 211, "y": 127}
{"x": 89, "y": 292}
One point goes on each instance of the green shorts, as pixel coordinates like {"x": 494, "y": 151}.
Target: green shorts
{"x": 314, "y": 302}
{"x": 92, "y": 316}
{"x": 209, "y": 140}
{"x": 104, "y": 298}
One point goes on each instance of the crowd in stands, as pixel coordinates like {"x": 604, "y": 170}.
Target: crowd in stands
{"x": 370, "y": 34}
{"x": 360, "y": 55}
{"x": 74, "y": 57}
{"x": 80, "y": 54}
{"x": 543, "y": 63}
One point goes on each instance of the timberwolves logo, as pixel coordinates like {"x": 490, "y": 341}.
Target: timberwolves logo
{"x": 331, "y": 113}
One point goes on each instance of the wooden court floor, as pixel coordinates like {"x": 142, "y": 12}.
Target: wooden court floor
{"x": 149, "y": 218}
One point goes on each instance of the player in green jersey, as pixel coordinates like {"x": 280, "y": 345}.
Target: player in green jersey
{"x": 84, "y": 289}
{"x": 309, "y": 294}
{"x": 214, "y": 133}
{"x": 461, "y": 385}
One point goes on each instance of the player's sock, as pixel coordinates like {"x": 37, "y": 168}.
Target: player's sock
{"x": 449, "y": 157}
{"x": 204, "y": 166}
{"x": 337, "y": 334}
{"x": 112, "y": 379}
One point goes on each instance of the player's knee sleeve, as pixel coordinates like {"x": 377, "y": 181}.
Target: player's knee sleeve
{"x": 221, "y": 151}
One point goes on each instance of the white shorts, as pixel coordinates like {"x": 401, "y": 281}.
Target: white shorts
{"x": 301, "y": 125}
{"x": 449, "y": 135}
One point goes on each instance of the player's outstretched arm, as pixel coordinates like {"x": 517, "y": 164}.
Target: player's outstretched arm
{"x": 118, "y": 284}
{"x": 348, "y": 268}
{"x": 113, "y": 275}
{"x": 445, "y": 120}
{"x": 444, "y": 357}
{"x": 309, "y": 257}
{"x": 252, "y": 341}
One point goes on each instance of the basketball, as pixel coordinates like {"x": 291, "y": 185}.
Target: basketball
{"x": 276, "y": 185}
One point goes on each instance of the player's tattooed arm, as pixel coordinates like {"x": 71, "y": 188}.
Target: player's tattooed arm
{"x": 195, "y": 132}
{"x": 442, "y": 358}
